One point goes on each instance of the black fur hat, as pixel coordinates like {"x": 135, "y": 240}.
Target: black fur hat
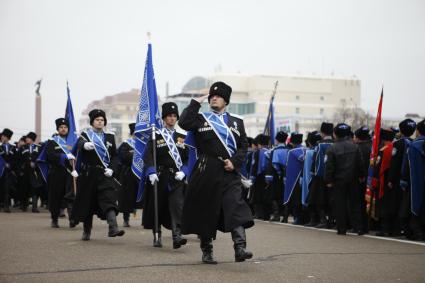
{"x": 220, "y": 89}
{"x": 97, "y": 113}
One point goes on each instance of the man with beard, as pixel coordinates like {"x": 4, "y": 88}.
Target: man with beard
{"x": 172, "y": 156}
{"x": 59, "y": 180}
{"x": 96, "y": 185}
{"x": 214, "y": 198}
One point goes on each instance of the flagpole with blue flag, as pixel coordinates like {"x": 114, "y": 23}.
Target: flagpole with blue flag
{"x": 147, "y": 121}
{"x": 71, "y": 140}
{"x": 269, "y": 128}
{"x": 72, "y": 136}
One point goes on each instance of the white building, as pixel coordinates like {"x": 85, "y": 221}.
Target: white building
{"x": 301, "y": 103}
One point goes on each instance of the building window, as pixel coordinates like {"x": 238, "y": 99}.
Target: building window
{"x": 297, "y": 110}
{"x": 297, "y": 97}
{"x": 322, "y": 98}
{"x": 321, "y": 111}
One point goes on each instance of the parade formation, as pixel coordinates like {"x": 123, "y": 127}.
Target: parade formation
{"x": 198, "y": 173}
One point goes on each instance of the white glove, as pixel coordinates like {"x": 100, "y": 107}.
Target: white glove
{"x": 153, "y": 178}
{"x": 74, "y": 174}
{"x": 88, "y": 146}
{"x": 108, "y": 172}
{"x": 7, "y": 165}
{"x": 70, "y": 156}
{"x": 179, "y": 175}
{"x": 32, "y": 164}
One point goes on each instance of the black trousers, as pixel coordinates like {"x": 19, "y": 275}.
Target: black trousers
{"x": 347, "y": 205}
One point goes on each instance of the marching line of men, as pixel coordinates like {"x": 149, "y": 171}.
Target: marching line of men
{"x": 324, "y": 183}
{"x": 201, "y": 177}
{"x": 96, "y": 178}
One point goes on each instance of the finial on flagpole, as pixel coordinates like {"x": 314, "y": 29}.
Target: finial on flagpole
{"x": 148, "y": 34}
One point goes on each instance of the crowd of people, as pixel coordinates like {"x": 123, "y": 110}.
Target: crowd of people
{"x": 213, "y": 177}
{"x": 332, "y": 182}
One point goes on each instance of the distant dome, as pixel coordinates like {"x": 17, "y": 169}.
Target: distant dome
{"x": 195, "y": 83}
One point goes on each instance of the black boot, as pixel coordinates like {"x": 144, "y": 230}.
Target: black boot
{"x": 126, "y": 217}
{"x": 157, "y": 240}
{"x": 285, "y": 215}
{"x": 323, "y": 221}
{"x": 72, "y": 223}
{"x": 111, "y": 218}
{"x": 62, "y": 213}
{"x": 239, "y": 240}
{"x": 87, "y": 231}
{"x": 34, "y": 204}
{"x": 178, "y": 241}
{"x": 276, "y": 215}
{"x": 207, "y": 251}
{"x": 55, "y": 223}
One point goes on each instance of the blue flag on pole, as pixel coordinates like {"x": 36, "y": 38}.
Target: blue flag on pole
{"x": 72, "y": 137}
{"x": 270, "y": 128}
{"x": 147, "y": 116}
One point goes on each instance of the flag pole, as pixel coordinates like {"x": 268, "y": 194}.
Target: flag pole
{"x": 155, "y": 185}
{"x": 74, "y": 180}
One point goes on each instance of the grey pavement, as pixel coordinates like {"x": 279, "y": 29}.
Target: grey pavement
{"x": 31, "y": 251}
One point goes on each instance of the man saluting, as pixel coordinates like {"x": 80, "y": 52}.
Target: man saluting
{"x": 214, "y": 197}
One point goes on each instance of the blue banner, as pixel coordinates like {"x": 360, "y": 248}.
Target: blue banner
{"x": 2, "y": 166}
{"x": 320, "y": 153}
{"x": 270, "y": 129}
{"x": 416, "y": 158}
{"x": 72, "y": 137}
{"x": 147, "y": 116}
{"x": 294, "y": 168}
{"x": 306, "y": 176}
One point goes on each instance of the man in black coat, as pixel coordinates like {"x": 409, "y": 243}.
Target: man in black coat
{"x": 343, "y": 169}
{"x": 276, "y": 172}
{"x": 398, "y": 161}
{"x": 261, "y": 186}
{"x": 96, "y": 185}
{"x": 364, "y": 142}
{"x": 8, "y": 176}
{"x": 171, "y": 158}
{"x": 320, "y": 197}
{"x": 59, "y": 180}
{"x": 33, "y": 180}
{"x": 214, "y": 199}
{"x": 129, "y": 181}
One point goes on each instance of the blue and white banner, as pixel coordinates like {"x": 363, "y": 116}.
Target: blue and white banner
{"x": 99, "y": 146}
{"x": 222, "y": 131}
{"x": 174, "y": 152}
{"x": 147, "y": 116}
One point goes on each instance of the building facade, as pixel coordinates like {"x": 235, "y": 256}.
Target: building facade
{"x": 121, "y": 110}
{"x": 301, "y": 103}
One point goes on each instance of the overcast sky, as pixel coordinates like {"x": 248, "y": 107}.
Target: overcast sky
{"x": 100, "y": 47}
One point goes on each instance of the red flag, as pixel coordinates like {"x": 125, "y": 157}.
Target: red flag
{"x": 372, "y": 181}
